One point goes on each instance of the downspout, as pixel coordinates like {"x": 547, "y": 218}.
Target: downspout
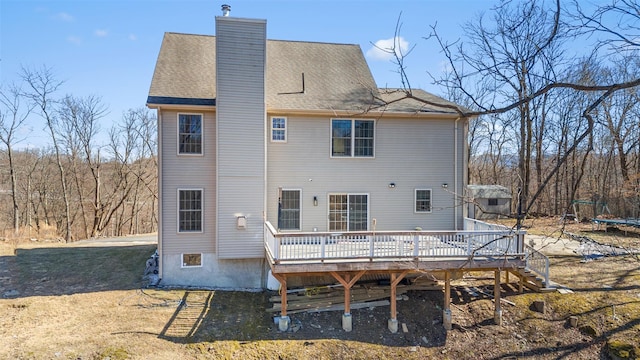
{"x": 455, "y": 172}
{"x": 160, "y": 263}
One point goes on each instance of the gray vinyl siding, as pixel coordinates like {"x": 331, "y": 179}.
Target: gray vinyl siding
{"x": 240, "y": 74}
{"x": 412, "y": 153}
{"x": 187, "y": 172}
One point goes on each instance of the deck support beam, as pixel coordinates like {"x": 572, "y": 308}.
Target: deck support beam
{"x": 284, "y": 321}
{"x": 497, "y": 316}
{"x": 347, "y": 282}
{"x": 446, "y": 312}
{"x": 392, "y": 324}
{"x": 521, "y": 284}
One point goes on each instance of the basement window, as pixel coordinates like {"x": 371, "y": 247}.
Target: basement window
{"x": 191, "y": 260}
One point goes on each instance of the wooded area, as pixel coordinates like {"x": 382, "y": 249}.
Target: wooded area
{"x": 83, "y": 185}
{"x": 554, "y": 89}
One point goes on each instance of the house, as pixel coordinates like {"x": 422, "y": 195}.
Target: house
{"x": 284, "y": 158}
{"x": 489, "y": 201}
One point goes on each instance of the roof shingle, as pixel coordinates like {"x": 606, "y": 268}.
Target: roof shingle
{"x": 304, "y": 76}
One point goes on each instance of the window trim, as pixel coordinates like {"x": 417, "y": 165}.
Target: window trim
{"x": 353, "y": 139}
{"x": 348, "y": 212}
{"x": 415, "y": 200}
{"x": 184, "y": 266}
{"x": 201, "y": 153}
{"x": 299, "y": 190}
{"x": 202, "y": 206}
{"x": 283, "y": 129}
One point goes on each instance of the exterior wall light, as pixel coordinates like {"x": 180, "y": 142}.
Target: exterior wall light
{"x": 445, "y": 185}
{"x": 392, "y": 185}
{"x": 315, "y": 201}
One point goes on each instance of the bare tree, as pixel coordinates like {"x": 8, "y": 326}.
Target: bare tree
{"x": 43, "y": 85}
{"x": 13, "y": 114}
{"x": 518, "y": 57}
{"x": 80, "y": 118}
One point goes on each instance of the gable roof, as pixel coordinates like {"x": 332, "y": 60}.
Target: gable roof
{"x": 489, "y": 191}
{"x": 301, "y": 76}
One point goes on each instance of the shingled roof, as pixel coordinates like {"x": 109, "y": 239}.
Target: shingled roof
{"x": 302, "y": 76}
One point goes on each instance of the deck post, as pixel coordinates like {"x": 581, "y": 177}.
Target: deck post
{"x": 446, "y": 312}
{"x": 284, "y": 320}
{"x": 392, "y": 324}
{"x": 521, "y": 284}
{"x": 347, "y": 282}
{"x": 497, "y": 316}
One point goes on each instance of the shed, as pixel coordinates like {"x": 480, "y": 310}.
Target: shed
{"x": 489, "y": 201}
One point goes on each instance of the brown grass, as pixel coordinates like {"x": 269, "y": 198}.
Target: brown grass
{"x": 87, "y": 303}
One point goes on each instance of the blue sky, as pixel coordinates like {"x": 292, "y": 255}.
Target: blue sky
{"x": 109, "y": 48}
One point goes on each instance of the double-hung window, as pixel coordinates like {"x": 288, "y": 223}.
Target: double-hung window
{"x": 278, "y": 129}
{"x": 190, "y": 210}
{"x": 423, "y": 201}
{"x": 289, "y": 210}
{"x": 190, "y": 134}
{"x": 352, "y": 138}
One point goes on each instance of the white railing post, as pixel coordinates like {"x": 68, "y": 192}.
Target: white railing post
{"x": 372, "y": 242}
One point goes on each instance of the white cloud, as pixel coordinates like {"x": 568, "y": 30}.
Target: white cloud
{"x": 74, "y": 40}
{"x": 133, "y": 37}
{"x": 63, "y": 16}
{"x": 383, "y": 49}
{"x": 101, "y": 33}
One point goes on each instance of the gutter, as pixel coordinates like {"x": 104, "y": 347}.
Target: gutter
{"x": 364, "y": 114}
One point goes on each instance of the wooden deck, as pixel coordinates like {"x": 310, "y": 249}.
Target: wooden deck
{"x": 348, "y": 257}
{"x": 319, "y": 252}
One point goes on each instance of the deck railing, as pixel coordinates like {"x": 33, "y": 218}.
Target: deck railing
{"x": 390, "y": 245}
{"x": 537, "y": 262}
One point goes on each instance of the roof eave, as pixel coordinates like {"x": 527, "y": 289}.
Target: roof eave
{"x": 168, "y": 101}
{"x": 354, "y": 113}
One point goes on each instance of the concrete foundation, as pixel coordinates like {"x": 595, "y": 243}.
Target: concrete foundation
{"x": 497, "y": 317}
{"x": 283, "y": 323}
{"x": 446, "y": 319}
{"x": 214, "y": 273}
{"x": 392, "y": 324}
{"x": 347, "y": 322}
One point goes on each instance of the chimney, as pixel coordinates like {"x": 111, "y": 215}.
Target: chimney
{"x": 226, "y": 9}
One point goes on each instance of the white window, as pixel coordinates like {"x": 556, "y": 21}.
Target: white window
{"x": 191, "y": 260}
{"x": 190, "y": 134}
{"x": 348, "y": 212}
{"x": 423, "y": 201}
{"x": 289, "y": 210}
{"x": 278, "y": 129}
{"x": 352, "y": 138}
{"x": 190, "y": 210}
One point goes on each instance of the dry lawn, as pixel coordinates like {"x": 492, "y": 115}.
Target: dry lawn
{"x": 87, "y": 303}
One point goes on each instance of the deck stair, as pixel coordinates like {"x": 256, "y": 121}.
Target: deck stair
{"x": 535, "y": 274}
{"x": 532, "y": 280}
